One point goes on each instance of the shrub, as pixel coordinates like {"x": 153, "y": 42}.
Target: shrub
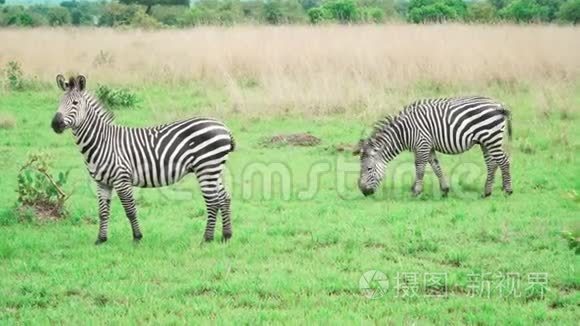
{"x": 169, "y": 15}
{"x": 316, "y": 15}
{"x": 282, "y": 12}
{"x": 344, "y": 11}
{"x": 116, "y": 98}
{"x": 436, "y": 12}
{"x": 573, "y": 238}
{"x": 116, "y": 14}
{"x": 388, "y": 7}
{"x": 421, "y": 11}
{"x": 273, "y": 12}
{"x": 214, "y": 12}
{"x": 371, "y": 15}
{"x": 58, "y": 16}
{"x": 570, "y": 11}
{"x": 143, "y": 20}
{"x": 14, "y": 76}
{"x": 39, "y": 192}
{"x": 481, "y": 12}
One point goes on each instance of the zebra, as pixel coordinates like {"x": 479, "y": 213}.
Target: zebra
{"x": 119, "y": 158}
{"x": 445, "y": 125}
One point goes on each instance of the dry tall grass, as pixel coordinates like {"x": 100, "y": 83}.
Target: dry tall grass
{"x": 321, "y": 69}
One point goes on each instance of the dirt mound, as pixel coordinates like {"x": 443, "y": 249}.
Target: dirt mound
{"x": 342, "y": 147}
{"x": 43, "y": 211}
{"x": 304, "y": 140}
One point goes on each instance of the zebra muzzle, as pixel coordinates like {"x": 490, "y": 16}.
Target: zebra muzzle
{"x": 366, "y": 191}
{"x": 58, "y": 124}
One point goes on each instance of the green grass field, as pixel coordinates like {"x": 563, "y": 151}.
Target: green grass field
{"x": 304, "y": 238}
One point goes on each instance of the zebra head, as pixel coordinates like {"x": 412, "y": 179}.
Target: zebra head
{"x": 73, "y": 105}
{"x": 372, "y": 166}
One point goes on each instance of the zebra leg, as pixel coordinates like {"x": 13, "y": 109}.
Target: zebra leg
{"x": 504, "y": 164}
{"x": 491, "y": 168}
{"x": 225, "y": 201}
{"x": 443, "y": 185}
{"x": 212, "y": 203}
{"x": 104, "y": 195}
{"x": 421, "y": 159}
{"x": 125, "y": 193}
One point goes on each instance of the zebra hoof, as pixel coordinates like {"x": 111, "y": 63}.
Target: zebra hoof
{"x": 509, "y": 192}
{"x": 227, "y": 237}
{"x": 207, "y": 239}
{"x": 100, "y": 241}
{"x": 485, "y": 195}
{"x": 444, "y": 192}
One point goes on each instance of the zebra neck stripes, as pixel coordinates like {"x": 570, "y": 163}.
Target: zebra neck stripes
{"x": 391, "y": 137}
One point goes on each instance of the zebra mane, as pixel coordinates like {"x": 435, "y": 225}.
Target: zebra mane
{"x": 102, "y": 112}
{"x": 383, "y": 125}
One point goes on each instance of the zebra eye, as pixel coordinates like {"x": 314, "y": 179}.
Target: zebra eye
{"x": 75, "y": 102}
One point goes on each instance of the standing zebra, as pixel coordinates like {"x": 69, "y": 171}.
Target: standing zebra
{"x": 447, "y": 125}
{"x": 119, "y": 158}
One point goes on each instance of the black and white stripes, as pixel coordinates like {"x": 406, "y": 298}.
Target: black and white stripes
{"x": 447, "y": 125}
{"x": 119, "y": 158}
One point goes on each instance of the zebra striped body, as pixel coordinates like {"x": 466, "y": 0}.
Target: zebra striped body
{"x": 447, "y": 125}
{"x": 151, "y": 157}
{"x": 119, "y": 158}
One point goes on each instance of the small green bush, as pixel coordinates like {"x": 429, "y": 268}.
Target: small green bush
{"x": 372, "y": 15}
{"x": 58, "y": 16}
{"x": 424, "y": 11}
{"x": 143, "y": 20}
{"x": 481, "y": 12}
{"x": 40, "y": 194}
{"x": 14, "y": 76}
{"x": 169, "y": 15}
{"x": 116, "y": 98}
{"x": 573, "y": 239}
{"x": 343, "y": 11}
{"x": 316, "y": 15}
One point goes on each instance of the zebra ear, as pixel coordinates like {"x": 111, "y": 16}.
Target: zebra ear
{"x": 81, "y": 83}
{"x": 61, "y": 82}
{"x": 357, "y": 148}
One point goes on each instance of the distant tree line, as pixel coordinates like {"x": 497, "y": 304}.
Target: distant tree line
{"x": 179, "y": 13}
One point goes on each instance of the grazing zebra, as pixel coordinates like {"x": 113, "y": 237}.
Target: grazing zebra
{"x": 119, "y": 158}
{"x": 447, "y": 125}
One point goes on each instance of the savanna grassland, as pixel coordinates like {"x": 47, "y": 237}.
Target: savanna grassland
{"x": 304, "y": 235}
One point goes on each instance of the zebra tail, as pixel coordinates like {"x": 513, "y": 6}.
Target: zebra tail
{"x": 507, "y": 115}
